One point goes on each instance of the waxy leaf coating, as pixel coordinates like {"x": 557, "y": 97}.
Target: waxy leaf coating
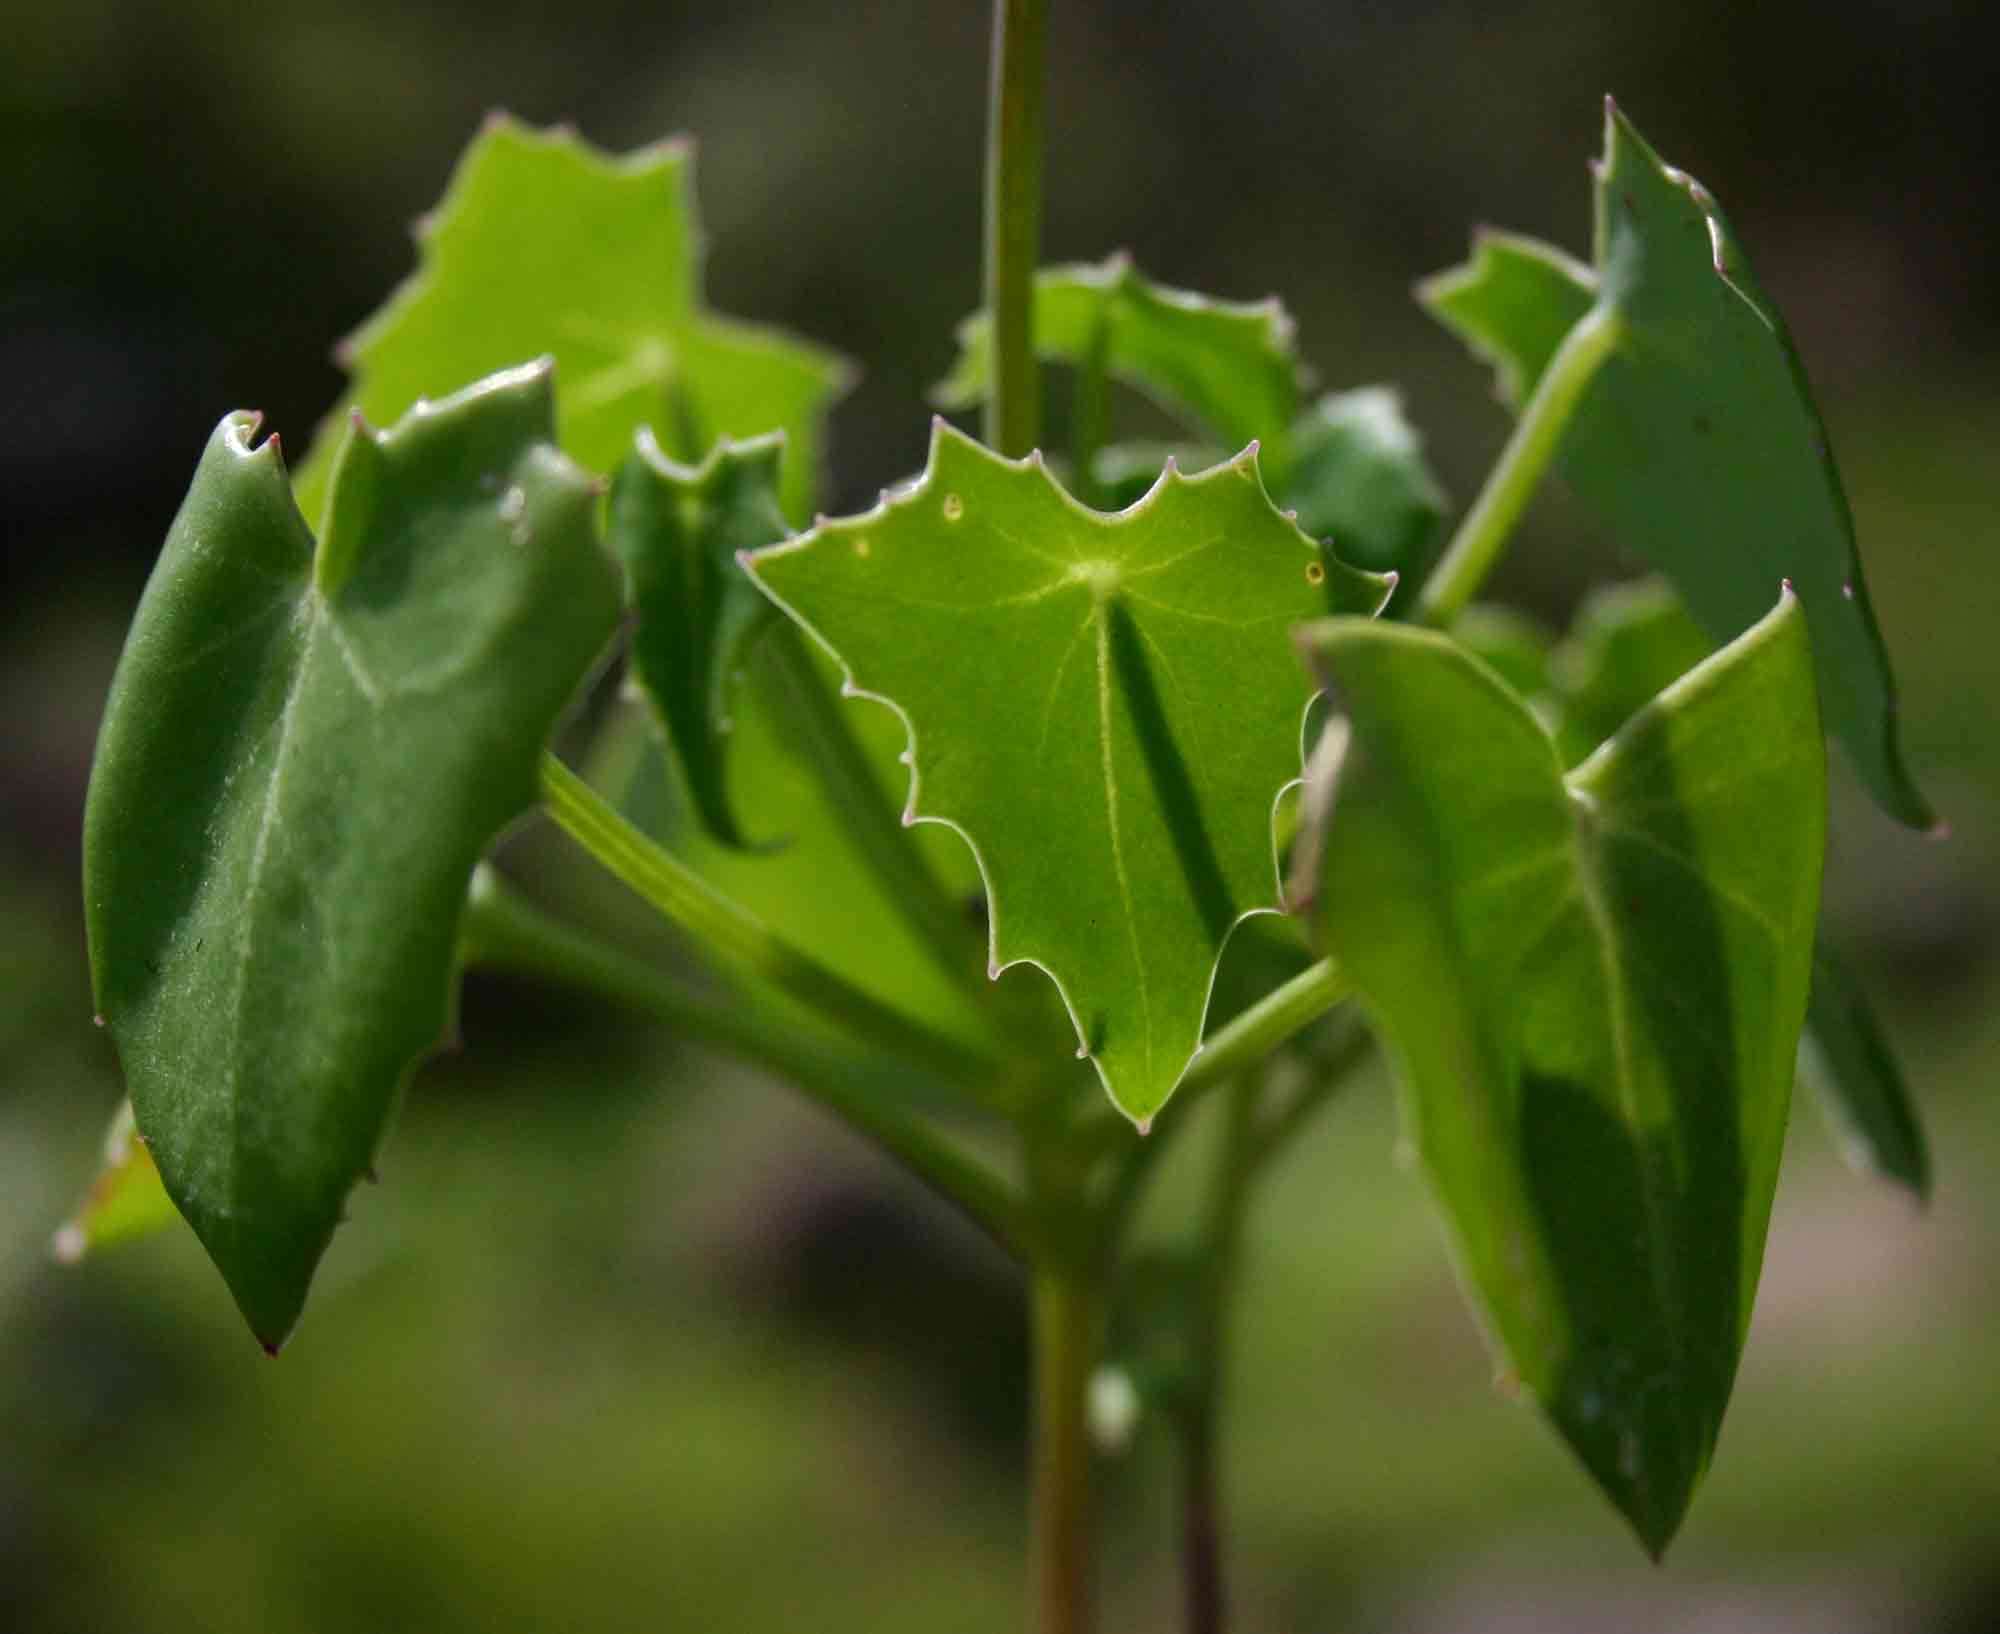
{"x": 679, "y": 530}
{"x": 1697, "y": 437}
{"x": 543, "y": 245}
{"x": 1231, "y": 367}
{"x": 1106, "y": 707}
{"x": 1591, "y": 987}
{"x": 303, "y": 755}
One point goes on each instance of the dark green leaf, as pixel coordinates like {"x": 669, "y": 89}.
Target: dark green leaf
{"x": 1846, "y": 1058}
{"x": 1627, "y": 643}
{"x": 1697, "y": 438}
{"x": 544, "y": 245}
{"x": 1101, "y": 705}
{"x": 303, "y": 755}
{"x": 1358, "y": 480}
{"x": 1592, "y": 989}
{"x": 1516, "y": 647}
{"x": 678, "y": 531}
{"x": 1228, "y": 366}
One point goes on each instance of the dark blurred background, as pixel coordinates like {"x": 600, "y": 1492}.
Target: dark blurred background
{"x": 628, "y": 1339}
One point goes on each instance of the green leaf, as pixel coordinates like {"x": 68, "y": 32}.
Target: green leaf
{"x": 678, "y": 531}
{"x": 1697, "y": 438}
{"x": 544, "y": 245}
{"x": 1627, "y": 643}
{"x": 1846, "y": 1058}
{"x": 1228, "y": 366}
{"x": 125, "y": 1201}
{"x": 1125, "y": 471}
{"x": 1102, "y": 705}
{"x": 1517, "y": 648}
{"x": 1592, "y": 988}
{"x": 303, "y": 755}
{"x": 1358, "y": 480}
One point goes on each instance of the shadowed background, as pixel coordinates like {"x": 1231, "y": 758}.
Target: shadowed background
{"x": 628, "y": 1338}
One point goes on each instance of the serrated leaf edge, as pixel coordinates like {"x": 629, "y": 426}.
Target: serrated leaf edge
{"x": 1244, "y": 465}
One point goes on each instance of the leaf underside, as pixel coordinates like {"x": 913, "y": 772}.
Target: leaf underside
{"x": 1230, "y": 367}
{"x": 1105, "y": 707}
{"x": 1698, "y": 438}
{"x": 304, "y": 753}
{"x": 1627, "y": 643}
{"x": 1592, "y": 986}
{"x": 545, "y": 246}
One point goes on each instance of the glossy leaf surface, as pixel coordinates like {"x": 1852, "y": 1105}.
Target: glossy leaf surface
{"x": 543, "y": 245}
{"x": 1697, "y": 438}
{"x": 1228, "y": 366}
{"x": 1104, "y": 706}
{"x": 1592, "y": 988}
{"x": 678, "y": 530}
{"x": 1627, "y": 643}
{"x": 125, "y": 1200}
{"x": 304, "y": 753}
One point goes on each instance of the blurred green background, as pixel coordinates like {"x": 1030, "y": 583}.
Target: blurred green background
{"x": 630, "y": 1339}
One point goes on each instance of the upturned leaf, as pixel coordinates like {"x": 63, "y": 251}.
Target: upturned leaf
{"x": 1697, "y": 438}
{"x": 125, "y": 1200}
{"x": 303, "y": 755}
{"x": 543, "y": 244}
{"x": 679, "y": 530}
{"x": 1627, "y": 643}
{"x": 1591, "y": 986}
{"x": 1103, "y": 706}
{"x": 1230, "y": 367}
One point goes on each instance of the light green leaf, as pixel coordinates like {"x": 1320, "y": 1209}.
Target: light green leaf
{"x": 1697, "y": 437}
{"x": 1228, "y": 366}
{"x": 1592, "y": 988}
{"x": 678, "y": 530}
{"x": 1517, "y": 648}
{"x": 544, "y": 245}
{"x": 1103, "y": 706}
{"x": 124, "y": 1202}
{"x": 1628, "y": 642}
{"x": 1358, "y": 480}
{"x": 303, "y": 755}
{"x": 1125, "y": 471}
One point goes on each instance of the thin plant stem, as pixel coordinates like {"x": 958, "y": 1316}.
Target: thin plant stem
{"x": 502, "y": 931}
{"x": 884, "y": 844}
{"x": 1067, "y": 1317}
{"x": 1476, "y": 547}
{"x": 744, "y": 941}
{"x": 1014, "y": 136}
{"x": 1263, "y": 1027}
{"x": 1090, "y": 414}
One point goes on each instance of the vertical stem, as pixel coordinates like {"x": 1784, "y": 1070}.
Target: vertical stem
{"x": 1091, "y": 414}
{"x": 1475, "y": 548}
{"x": 1201, "y": 1523}
{"x": 1066, "y": 1320}
{"x": 1014, "y": 221}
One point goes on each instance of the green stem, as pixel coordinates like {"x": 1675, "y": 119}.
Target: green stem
{"x": 1067, "y": 1317}
{"x": 1091, "y": 413}
{"x": 744, "y": 941}
{"x": 1014, "y": 221}
{"x": 871, "y": 821}
{"x": 1476, "y": 547}
{"x": 1263, "y": 1027}
{"x": 501, "y": 931}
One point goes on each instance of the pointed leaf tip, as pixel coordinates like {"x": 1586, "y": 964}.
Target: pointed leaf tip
{"x": 304, "y": 751}
{"x": 1592, "y": 988}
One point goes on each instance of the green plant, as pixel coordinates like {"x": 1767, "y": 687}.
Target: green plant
{"x": 1573, "y": 885}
